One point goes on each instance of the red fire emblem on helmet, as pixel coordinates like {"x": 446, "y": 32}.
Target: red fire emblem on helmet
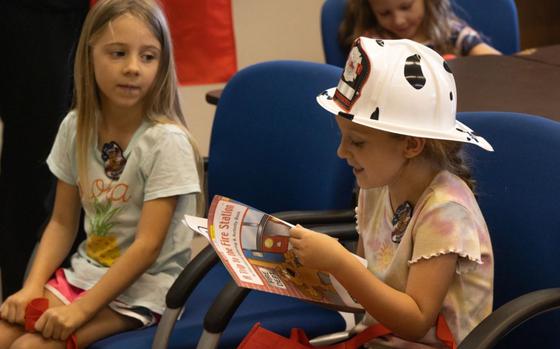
{"x": 354, "y": 76}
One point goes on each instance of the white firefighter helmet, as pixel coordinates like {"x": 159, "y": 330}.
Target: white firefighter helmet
{"x": 399, "y": 86}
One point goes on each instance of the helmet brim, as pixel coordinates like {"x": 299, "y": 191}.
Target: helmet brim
{"x": 460, "y": 133}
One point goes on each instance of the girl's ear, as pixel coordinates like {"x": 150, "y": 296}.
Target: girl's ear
{"x": 413, "y": 146}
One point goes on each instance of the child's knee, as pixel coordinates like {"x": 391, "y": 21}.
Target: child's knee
{"x": 33, "y": 341}
{"x": 8, "y": 334}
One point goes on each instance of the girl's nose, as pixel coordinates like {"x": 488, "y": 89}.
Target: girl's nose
{"x": 132, "y": 67}
{"x": 341, "y": 151}
{"x": 399, "y": 19}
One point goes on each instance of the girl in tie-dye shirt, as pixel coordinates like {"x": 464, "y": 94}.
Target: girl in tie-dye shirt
{"x": 430, "y": 264}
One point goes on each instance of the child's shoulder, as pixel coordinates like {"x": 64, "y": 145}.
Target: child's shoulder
{"x": 447, "y": 187}
{"x": 165, "y": 129}
{"x": 159, "y": 135}
{"x": 68, "y": 125}
{"x": 70, "y": 120}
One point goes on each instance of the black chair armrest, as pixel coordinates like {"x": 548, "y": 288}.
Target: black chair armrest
{"x": 509, "y": 316}
{"x": 213, "y": 97}
{"x": 319, "y": 217}
{"x": 344, "y": 232}
{"x": 224, "y": 306}
{"x": 180, "y": 291}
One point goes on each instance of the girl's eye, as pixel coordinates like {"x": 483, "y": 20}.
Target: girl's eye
{"x": 383, "y": 14}
{"x": 148, "y": 57}
{"x": 117, "y": 53}
{"x": 356, "y": 143}
{"x": 406, "y": 7}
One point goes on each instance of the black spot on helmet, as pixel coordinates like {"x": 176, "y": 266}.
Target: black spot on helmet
{"x": 413, "y": 72}
{"x": 346, "y": 115}
{"x": 380, "y": 42}
{"x": 375, "y": 114}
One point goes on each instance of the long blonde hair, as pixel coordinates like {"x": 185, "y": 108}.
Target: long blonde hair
{"x": 162, "y": 101}
{"x": 359, "y": 19}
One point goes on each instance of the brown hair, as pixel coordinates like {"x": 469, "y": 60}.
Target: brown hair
{"x": 162, "y": 101}
{"x": 450, "y": 156}
{"x": 359, "y": 19}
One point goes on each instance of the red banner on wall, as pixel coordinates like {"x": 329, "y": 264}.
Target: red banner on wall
{"x": 203, "y": 40}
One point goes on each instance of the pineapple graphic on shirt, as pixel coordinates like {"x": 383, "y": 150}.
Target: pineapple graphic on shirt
{"x": 101, "y": 244}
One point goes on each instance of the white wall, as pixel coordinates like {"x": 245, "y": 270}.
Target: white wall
{"x": 264, "y": 30}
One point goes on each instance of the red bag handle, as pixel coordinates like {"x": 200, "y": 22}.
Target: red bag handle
{"x": 442, "y": 333}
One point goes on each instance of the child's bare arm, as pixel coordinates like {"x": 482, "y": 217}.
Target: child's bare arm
{"x": 59, "y": 235}
{"x": 408, "y": 314}
{"x": 152, "y": 229}
{"x": 55, "y": 245}
{"x": 483, "y": 49}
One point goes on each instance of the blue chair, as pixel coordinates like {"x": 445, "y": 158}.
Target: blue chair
{"x": 274, "y": 148}
{"x": 517, "y": 188}
{"x": 496, "y": 19}
{"x": 332, "y": 14}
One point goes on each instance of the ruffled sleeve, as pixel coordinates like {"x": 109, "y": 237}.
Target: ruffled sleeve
{"x": 448, "y": 228}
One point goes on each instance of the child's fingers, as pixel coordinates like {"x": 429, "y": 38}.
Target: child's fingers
{"x": 47, "y": 331}
{"x": 20, "y": 314}
{"x": 12, "y": 314}
{"x": 296, "y": 243}
{"x": 40, "y": 323}
{"x": 65, "y": 334}
{"x": 6, "y": 312}
{"x": 57, "y": 332}
{"x": 297, "y": 232}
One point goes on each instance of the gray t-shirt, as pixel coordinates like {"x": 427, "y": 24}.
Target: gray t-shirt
{"x": 159, "y": 163}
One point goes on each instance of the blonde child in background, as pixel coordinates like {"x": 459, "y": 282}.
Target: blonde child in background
{"x": 420, "y": 227}
{"x": 431, "y": 22}
{"x": 124, "y": 155}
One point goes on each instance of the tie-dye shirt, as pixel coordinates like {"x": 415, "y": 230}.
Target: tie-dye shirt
{"x": 446, "y": 219}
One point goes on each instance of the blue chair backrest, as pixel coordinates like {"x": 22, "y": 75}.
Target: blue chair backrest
{"x": 332, "y": 14}
{"x": 496, "y": 19}
{"x": 518, "y": 187}
{"x": 272, "y": 146}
